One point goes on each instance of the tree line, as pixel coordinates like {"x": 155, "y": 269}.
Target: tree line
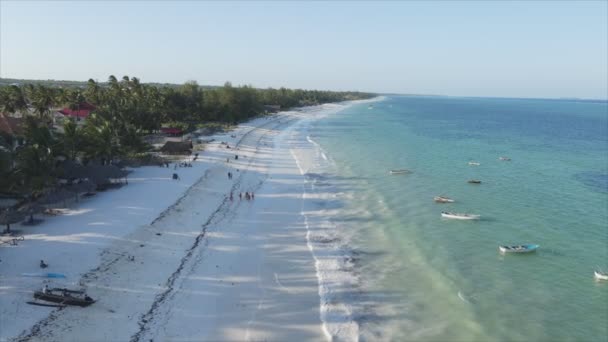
{"x": 126, "y": 110}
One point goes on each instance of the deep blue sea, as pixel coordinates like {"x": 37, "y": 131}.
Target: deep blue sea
{"x": 421, "y": 277}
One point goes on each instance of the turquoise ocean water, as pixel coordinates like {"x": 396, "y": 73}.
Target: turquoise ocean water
{"x": 421, "y": 277}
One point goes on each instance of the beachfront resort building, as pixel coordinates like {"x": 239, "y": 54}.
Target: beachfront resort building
{"x": 80, "y": 113}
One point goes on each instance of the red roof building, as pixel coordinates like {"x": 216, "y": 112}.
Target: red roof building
{"x": 83, "y": 111}
{"x": 171, "y": 130}
{"x": 10, "y": 125}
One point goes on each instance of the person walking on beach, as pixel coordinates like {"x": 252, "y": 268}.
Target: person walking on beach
{"x": 240, "y": 195}
{"x": 252, "y": 195}
{"x": 231, "y": 198}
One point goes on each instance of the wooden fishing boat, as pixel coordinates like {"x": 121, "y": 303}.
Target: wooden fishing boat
{"x": 599, "y": 275}
{"x": 518, "y": 248}
{"x": 474, "y": 181}
{"x": 504, "y": 158}
{"x": 64, "y": 297}
{"x": 399, "y": 172}
{"x": 474, "y": 163}
{"x": 459, "y": 216}
{"x": 443, "y": 199}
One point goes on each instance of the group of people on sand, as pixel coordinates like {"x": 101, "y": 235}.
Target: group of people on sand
{"x": 182, "y": 164}
{"x": 248, "y": 196}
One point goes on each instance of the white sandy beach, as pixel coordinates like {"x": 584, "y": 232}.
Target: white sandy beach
{"x": 178, "y": 260}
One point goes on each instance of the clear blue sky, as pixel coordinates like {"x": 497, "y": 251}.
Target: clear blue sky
{"x": 511, "y": 49}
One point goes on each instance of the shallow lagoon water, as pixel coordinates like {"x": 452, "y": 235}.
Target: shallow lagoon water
{"x": 421, "y": 277}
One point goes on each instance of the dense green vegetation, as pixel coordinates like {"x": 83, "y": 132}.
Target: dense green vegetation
{"x": 125, "y": 111}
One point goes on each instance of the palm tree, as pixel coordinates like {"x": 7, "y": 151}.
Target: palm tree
{"x": 6, "y": 156}
{"x": 35, "y": 166}
{"x": 102, "y": 139}
{"x": 42, "y": 101}
{"x": 75, "y": 99}
{"x": 93, "y": 92}
{"x": 71, "y": 139}
{"x": 35, "y": 161}
{"x": 12, "y": 99}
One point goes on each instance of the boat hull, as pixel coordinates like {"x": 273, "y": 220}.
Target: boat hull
{"x": 64, "y": 300}
{"x": 460, "y": 216}
{"x": 518, "y": 249}
{"x": 600, "y": 276}
{"x": 399, "y": 172}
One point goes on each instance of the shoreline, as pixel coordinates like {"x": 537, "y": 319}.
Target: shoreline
{"x": 169, "y": 231}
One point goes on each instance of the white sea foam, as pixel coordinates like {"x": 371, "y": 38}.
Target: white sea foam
{"x": 324, "y": 240}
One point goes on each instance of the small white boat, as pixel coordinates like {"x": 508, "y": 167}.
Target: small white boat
{"x": 443, "y": 199}
{"x": 474, "y": 163}
{"x": 504, "y": 158}
{"x": 599, "y": 275}
{"x": 518, "y": 248}
{"x": 399, "y": 172}
{"x": 459, "y": 216}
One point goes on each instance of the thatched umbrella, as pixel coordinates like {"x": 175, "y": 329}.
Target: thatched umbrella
{"x": 80, "y": 188}
{"x": 114, "y": 172}
{"x": 72, "y": 170}
{"x": 31, "y": 209}
{"x": 101, "y": 174}
{"x": 57, "y": 196}
{"x": 177, "y": 147}
{"x": 10, "y": 216}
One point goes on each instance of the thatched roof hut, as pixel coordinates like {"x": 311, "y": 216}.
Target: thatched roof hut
{"x": 177, "y": 147}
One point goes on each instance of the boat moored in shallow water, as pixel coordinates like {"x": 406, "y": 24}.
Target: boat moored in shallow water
{"x": 399, "y": 172}
{"x": 443, "y": 199}
{"x": 474, "y": 181}
{"x": 474, "y": 163}
{"x": 459, "y": 216}
{"x": 518, "y": 248}
{"x": 504, "y": 158}
{"x": 599, "y": 275}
